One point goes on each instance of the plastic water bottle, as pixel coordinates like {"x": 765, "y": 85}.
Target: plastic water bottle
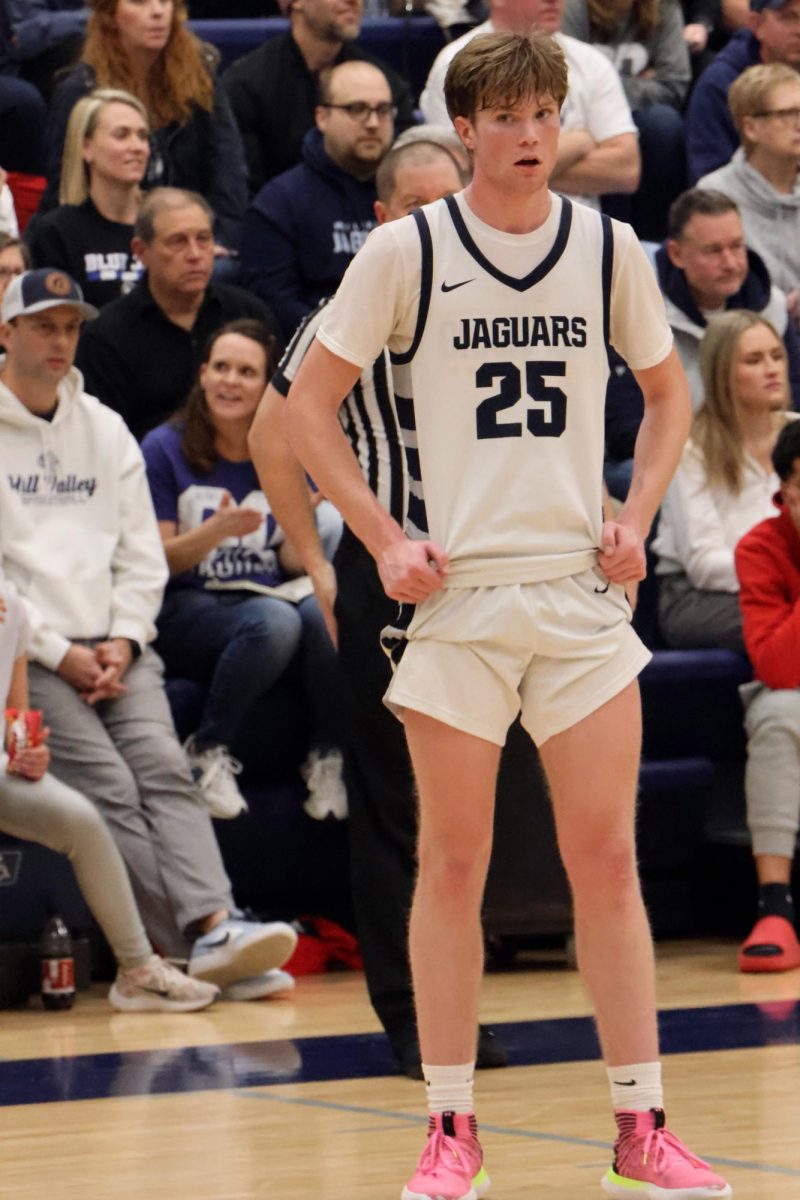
{"x": 58, "y": 965}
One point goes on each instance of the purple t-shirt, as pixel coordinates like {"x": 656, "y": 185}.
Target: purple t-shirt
{"x": 182, "y": 495}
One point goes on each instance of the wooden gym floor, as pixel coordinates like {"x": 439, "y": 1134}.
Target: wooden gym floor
{"x": 295, "y": 1100}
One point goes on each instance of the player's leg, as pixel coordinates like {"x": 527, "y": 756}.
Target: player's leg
{"x": 456, "y": 774}
{"x": 595, "y": 811}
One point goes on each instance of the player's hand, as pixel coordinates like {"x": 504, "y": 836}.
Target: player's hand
{"x": 232, "y": 521}
{"x": 324, "y": 581}
{"x": 32, "y": 762}
{"x": 410, "y": 570}
{"x": 621, "y": 556}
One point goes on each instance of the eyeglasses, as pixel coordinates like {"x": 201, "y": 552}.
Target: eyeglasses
{"x": 11, "y": 272}
{"x": 359, "y": 110}
{"x": 781, "y": 114}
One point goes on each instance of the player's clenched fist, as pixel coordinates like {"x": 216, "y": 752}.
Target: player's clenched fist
{"x": 411, "y": 570}
{"x": 621, "y": 557}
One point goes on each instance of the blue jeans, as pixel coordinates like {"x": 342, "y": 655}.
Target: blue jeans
{"x": 239, "y": 644}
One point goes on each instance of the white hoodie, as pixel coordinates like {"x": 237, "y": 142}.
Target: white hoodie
{"x": 78, "y": 535}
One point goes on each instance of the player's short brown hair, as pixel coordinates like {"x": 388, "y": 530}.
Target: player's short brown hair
{"x": 495, "y": 69}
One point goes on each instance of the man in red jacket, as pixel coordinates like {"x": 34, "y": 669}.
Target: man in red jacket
{"x": 768, "y": 566}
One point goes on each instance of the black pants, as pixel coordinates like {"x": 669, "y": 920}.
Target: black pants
{"x": 382, "y": 799}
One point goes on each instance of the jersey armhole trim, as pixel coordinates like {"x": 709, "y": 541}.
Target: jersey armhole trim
{"x": 425, "y": 283}
{"x": 606, "y": 272}
{"x": 539, "y": 272}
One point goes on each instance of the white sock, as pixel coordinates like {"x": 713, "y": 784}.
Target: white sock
{"x": 449, "y": 1089}
{"x": 636, "y": 1087}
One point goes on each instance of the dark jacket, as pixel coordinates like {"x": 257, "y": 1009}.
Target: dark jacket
{"x": 301, "y": 232}
{"x": 29, "y": 28}
{"x": 273, "y": 95}
{"x": 624, "y": 400}
{"x": 711, "y": 137}
{"x": 203, "y": 155}
{"x": 141, "y": 364}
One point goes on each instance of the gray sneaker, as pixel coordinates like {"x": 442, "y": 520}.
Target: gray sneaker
{"x": 271, "y": 983}
{"x": 239, "y": 949}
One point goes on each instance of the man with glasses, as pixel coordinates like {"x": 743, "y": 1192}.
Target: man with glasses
{"x": 274, "y": 90}
{"x": 304, "y": 226}
{"x": 762, "y": 176}
{"x": 773, "y": 37}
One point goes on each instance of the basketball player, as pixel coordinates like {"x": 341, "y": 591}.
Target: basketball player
{"x": 498, "y": 306}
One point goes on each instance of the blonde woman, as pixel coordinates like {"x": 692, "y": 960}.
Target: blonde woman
{"x": 725, "y": 482}
{"x": 146, "y": 48}
{"x": 105, "y": 160}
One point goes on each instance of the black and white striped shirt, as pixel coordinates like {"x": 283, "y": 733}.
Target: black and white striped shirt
{"x": 367, "y": 416}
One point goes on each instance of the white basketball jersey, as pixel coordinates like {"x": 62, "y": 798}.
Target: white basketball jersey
{"x": 500, "y": 400}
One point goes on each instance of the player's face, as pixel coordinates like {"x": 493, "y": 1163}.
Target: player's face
{"x": 234, "y": 378}
{"x": 514, "y": 147}
{"x": 119, "y": 147}
{"x": 778, "y": 31}
{"x": 759, "y": 375}
{"x": 42, "y": 346}
{"x": 331, "y": 20}
{"x": 712, "y": 254}
{"x": 420, "y": 183}
{"x": 777, "y": 130}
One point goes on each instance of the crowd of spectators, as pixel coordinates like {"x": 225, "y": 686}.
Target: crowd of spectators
{"x": 206, "y": 214}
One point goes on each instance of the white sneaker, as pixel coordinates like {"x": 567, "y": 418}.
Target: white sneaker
{"x": 214, "y": 773}
{"x": 239, "y": 949}
{"x": 327, "y": 796}
{"x": 271, "y": 983}
{"x": 157, "y": 986}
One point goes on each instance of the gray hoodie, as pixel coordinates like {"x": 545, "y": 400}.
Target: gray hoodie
{"x": 771, "y": 219}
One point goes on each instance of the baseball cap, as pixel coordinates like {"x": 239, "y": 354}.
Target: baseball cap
{"x": 763, "y": 5}
{"x": 34, "y": 291}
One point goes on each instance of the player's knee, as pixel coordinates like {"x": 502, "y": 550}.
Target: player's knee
{"x": 605, "y": 866}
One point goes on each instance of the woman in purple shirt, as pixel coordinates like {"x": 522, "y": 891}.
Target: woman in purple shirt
{"x": 235, "y": 612}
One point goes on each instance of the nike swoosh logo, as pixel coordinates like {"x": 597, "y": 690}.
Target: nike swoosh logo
{"x": 155, "y": 992}
{"x": 451, "y": 287}
{"x": 625, "y": 1082}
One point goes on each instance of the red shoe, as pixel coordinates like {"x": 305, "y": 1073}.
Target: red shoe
{"x": 771, "y": 946}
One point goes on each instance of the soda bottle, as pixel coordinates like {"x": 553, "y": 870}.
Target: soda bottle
{"x": 58, "y": 965}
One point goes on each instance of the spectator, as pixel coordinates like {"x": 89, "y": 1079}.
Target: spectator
{"x": 8, "y": 215}
{"x": 383, "y": 813}
{"x": 274, "y": 90}
{"x": 644, "y": 41}
{"x": 773, "y": 36}
{"x": 229, "y": 621}
{"x": 89, "y": 234}
{"x": 724, "y": 484}
{"x": 142, "y": 353}
{"x": 144, "y": 47}
{"x": 35, "y": 806}
{"x": 762, "y": 176}
{"x": 704, "y": 31}
{"x": 40, "y": 37}
{"x": 81, "y": 543}
{"x": 14, "y": 259}
{"x": 22, "y": 119}
{"x": 304, "y": 226}
{"x": 703, "y": 269}
{"x": 767, "y": 567}
{"x": 597, "y": 150}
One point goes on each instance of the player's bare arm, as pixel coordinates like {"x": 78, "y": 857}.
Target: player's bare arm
{"x": 662, "y": 436}
{"x": 409, "y": 570}
{"x": 284, "y": 483}
{"x": 614, "y": 165}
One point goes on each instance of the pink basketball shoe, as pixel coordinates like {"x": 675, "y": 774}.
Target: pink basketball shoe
{"x": 652, "y": 1163}
{"x": 451, "y": 1165}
